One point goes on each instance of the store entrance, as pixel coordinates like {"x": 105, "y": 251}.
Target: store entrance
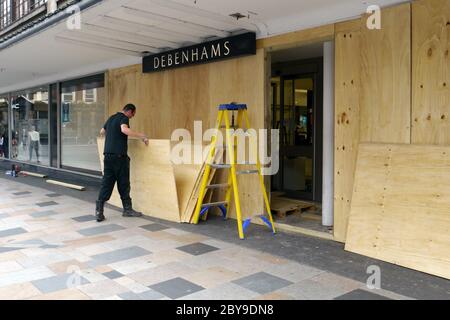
{"x": 296, "y": 104}
{"x": 297, "y": 114}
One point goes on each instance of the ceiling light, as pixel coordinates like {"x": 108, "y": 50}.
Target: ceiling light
{"x": 237, "y": 15}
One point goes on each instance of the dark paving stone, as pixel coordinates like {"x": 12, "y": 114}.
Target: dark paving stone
{"x": 100, "y": 230}
{"x": 60, "y": 282}
{"x": 41, "y": 214}
{"x": 117, "y": 255}
{"x": 176, "y": 288}
{"x": 90, "y": 217}
{"x": 50, "y": 246}
{"x": 197, "y": 249}
{"x": 262, "y": 282}
{"x": 47, "y": 204}
{"x": 113, "y": 274}
{"x": 53, "y": 195}
{"x": 361, "y": 295}
{"x": 147, "y": 295}
{"x": 22, "y": 193}
{"x": 154, "y": 227}
{"x": 12, "y": 232}
{"x": 7, "y": 249}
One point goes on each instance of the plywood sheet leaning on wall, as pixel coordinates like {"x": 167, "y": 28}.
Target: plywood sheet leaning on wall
{"x": 400, "y": 206}
{"x": 153, "y": 187}
{"x": 347, "y": 93}
{"x": 431, "y": 72}
{"x": 386, "y": 77}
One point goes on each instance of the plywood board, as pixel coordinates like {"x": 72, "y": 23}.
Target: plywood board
{"x": 400, "y": 206}
{"x": 386, "y": 78}
{"x": 297, "y": 38}
{"x": 347, "y": 112}
{"x": 174, "y": 99}
{"x": 153, "y": 187}
{"x": 431, "y": 72}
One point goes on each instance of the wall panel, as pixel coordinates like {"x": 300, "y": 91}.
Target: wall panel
{"x": 174, "y": 99}
{"x": 347, "y": 94}
{"x": 386, "y": 78}
{"x": 431, "y": 72}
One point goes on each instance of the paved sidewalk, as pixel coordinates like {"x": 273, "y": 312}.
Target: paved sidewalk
{"x": 51, "y": 248}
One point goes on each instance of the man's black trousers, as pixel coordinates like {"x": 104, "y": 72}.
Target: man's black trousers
{"x": 116, "y": 169}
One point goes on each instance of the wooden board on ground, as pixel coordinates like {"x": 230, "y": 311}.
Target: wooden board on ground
{"x": 283, "y": 206}
{"x": 153, "y": 187}
{"x": 67, "y": 185}
{"x": 400, "y": 206}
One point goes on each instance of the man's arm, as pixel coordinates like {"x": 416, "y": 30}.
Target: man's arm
{"x": 102, "y": 132}
{"x": 127, "y": 131}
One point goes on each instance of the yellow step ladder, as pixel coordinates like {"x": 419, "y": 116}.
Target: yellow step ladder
{"x": 202, "y": 208}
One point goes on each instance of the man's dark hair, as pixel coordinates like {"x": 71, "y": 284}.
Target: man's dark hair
{"x": 129, "y": 107}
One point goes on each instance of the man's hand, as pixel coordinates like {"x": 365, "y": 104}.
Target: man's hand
{"x": 145, "y": 140}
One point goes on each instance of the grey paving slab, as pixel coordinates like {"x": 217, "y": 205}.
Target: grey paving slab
{"x": 197, "y": 249}
{"x": 47, "y": 204}
{"x": 60, "y": 282}
{"x": 50, "y": 246}
{"x": 41, "y": 214}
{"x": 8, "y": 249}
{"x": 360, "y": 294}
{"x": 4, "y": 215}
{"x": 86, "y": 218}
{"x": 22, "y": 193}
{"x": 176, "y": 288}
{"x": 113, "y": 274}
{"x": 12, "y": 232}
{"x": 53, "y": 195}
{"x": 99, "y": 230}
{"x": 146, "y": 295}
{"x": 117, "y": 255}
{"x": 154, "y": 227}
{"x": 262, "y": 282}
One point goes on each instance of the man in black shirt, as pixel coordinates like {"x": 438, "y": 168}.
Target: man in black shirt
{"x": 116, "y": 161}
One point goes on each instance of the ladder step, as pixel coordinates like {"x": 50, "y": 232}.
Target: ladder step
{"x": 214, "y": 204}
{"x": 231, "y": 127}
{"x": 218, "y": 186}
{"x": 220, "y": 166}
{"x": 247, "y": 172}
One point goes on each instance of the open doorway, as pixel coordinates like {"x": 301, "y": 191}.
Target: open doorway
{"x": 296, "y": 102}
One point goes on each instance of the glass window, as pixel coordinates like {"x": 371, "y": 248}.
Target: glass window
{"x": 4, "y": 132}
{"x": 30, "y": 125}
{"x": 82, "y": 116}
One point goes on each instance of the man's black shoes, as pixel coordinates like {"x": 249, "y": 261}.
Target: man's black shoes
{"x": 99, "y": 211}
{"x": 128, "y": 210}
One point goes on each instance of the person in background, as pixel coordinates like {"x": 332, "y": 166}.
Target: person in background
{"x": 116, "y": 161}
{"x": 33, "y": 142}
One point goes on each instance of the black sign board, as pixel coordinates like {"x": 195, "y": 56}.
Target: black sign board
{"x": 225, "y": 48}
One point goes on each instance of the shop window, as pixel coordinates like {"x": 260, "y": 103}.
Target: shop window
{"x": 4, "y": 132}
{"x": 82, "y": 117}
{"x": 30, "y": 126}
{"x": 90, "y": 95}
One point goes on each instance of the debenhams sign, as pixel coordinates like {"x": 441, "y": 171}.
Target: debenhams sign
{"x": 232, "y": 47}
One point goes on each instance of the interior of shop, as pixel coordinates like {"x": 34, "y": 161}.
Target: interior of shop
{"x": 296, "y": 102}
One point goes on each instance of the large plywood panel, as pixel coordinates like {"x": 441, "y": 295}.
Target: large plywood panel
{"x": 347, "y": 94}
{"x": 431, "y": 72}
{"x": 153, "y": 186}
{"x": 386, "y": 78}
{"x": 174, "y": 99}
{"x": 242, "y": 80}
{"x": 297, "y": 38}
{"x": 400, "y": 207}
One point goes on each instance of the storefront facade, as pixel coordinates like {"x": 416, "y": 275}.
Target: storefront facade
{"x": 391, "y": 86}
